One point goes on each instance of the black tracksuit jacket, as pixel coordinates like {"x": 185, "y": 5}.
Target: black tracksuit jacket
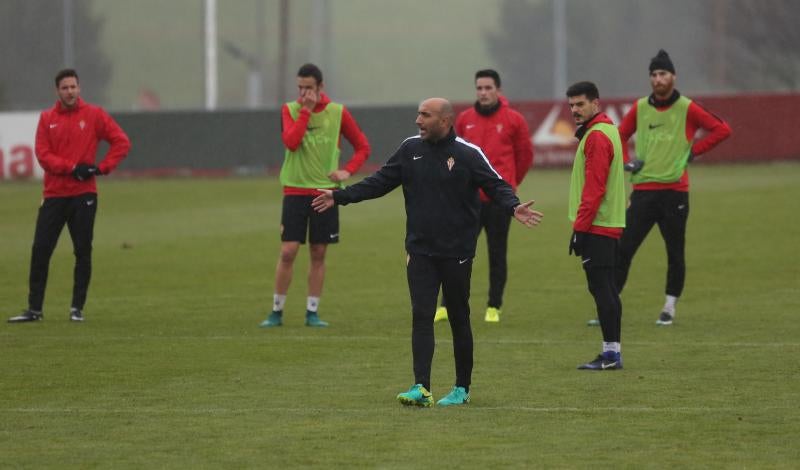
{"x": 440, "y": 185}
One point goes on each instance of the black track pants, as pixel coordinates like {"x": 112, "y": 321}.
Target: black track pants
{"x": 425, "y": 275}
{"x": 78, "y": 214}
{"x": 670, "y": 210}
{"x": 599, "y": 257}
{"x": 496, "y": 221}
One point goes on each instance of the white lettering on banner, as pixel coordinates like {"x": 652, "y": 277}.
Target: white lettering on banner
{"x": 17, "y": 143}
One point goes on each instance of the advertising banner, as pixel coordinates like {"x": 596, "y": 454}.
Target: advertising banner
{"x": 17, "y": 136}
{"x": 225, "y": 143}
{"x": 760, "y": 128}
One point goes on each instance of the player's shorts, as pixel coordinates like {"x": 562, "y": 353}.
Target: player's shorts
{"x": 298, "y": 218}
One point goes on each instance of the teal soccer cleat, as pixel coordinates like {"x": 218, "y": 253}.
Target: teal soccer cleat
{"x": 457, "y": 396}
{"x": 312, "y": 319}
{"x": 274, "y": 319}
{"x": 417, "y": 395}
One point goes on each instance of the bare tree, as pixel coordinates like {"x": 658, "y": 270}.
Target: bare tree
{"x": 758, "y": 42}
{"x": 31, "y": 45}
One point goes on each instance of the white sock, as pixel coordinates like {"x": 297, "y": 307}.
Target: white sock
{"x": 278, "y": 301}
{"x": 669, "y": 305}
{"x": 614, "y": 347}
{"x": 312, "y": 304}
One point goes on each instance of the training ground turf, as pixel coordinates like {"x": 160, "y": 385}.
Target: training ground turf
{"x": 170, "y": 368}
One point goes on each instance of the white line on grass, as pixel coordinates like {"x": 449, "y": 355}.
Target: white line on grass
{"x": 322, "y": 337}
{"x": 472, "y": 407}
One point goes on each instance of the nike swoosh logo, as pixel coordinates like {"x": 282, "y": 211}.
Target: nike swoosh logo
{"x": 53, "y": 125}
{"x": 462, "y": 261}
{"x": 417, "y": 157}
{"x": 334, "y": 235}
{"x": 586, "y": 260}
{"x": 89, "y": 203}
{"x": 653, "y": 126}
{"x": 609, "y": 365}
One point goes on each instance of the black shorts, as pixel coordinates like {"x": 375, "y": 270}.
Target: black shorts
{"x": 298, "y": 218}
{"x": 599, "y": 251}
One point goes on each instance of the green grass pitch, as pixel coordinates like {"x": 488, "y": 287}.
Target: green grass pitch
{"x": 170, "y": 369}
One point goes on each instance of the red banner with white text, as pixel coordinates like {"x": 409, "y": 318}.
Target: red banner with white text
{"x": 762, "y": 127}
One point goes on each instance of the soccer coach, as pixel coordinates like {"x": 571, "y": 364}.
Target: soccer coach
{"x": 441, "y": 175}
{"x": 66, "y": 144}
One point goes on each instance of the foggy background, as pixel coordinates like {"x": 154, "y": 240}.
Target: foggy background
{"x": 151, "y": 55}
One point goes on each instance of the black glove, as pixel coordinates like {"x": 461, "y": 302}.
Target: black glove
{"x": 576, "y": 243}
{"x": 634, "y": 165}
{"x": 83, "y": 172}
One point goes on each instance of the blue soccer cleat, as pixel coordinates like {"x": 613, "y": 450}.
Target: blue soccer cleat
{"x": 609, "y": 360}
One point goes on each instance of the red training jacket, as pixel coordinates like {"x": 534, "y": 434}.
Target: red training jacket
{"x": 598, "y": 152}
{"x": 66, "y": 137}
{"x": 293, "y": 132}
{"x": 504, "y": 138}
{"x": 696, "y": 118}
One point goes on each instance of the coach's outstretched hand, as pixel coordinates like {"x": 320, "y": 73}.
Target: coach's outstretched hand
{"x": 324, "y": 201}
{"x": 526, "y": 215}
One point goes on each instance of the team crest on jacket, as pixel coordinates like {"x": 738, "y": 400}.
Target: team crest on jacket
{"x": 499, "y": 128}
{"x": 82, "y": 124}
{"x": 450, "y": 162}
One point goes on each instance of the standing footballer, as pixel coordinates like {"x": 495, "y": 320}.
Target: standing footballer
{"x": 597, "y": 212}
{"x": 503, "y": 135}
{"x": 665, "y": 124}
{"x": 66, "y": 144}
{"x": 312, "y": 127}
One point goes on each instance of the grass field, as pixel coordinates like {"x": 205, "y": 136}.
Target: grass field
{"x": 171, "y": 370}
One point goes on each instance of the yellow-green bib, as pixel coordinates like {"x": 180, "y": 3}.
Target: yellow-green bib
{"x": 661, "y": 141}
{"x": 318, "y": 153}
{"x": 612, "y": 210}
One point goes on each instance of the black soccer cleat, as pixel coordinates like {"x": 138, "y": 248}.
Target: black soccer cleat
{"x": 26, "y": 316}
{"x": 606, "y": 361}
{"x": 75, "y": 314}
{"x": 664, "y": 319}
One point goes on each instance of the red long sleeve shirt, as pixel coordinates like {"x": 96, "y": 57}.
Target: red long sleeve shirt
{"x": 598, "y": 154}
{"x": 504, "y": 138}
{"x": 66, "y": 137}
{"x": 696, "y": 118}
{"x": 294, "y": 131}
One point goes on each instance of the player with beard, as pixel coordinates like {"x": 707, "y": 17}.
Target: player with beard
{"x": 665, "y": 124}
